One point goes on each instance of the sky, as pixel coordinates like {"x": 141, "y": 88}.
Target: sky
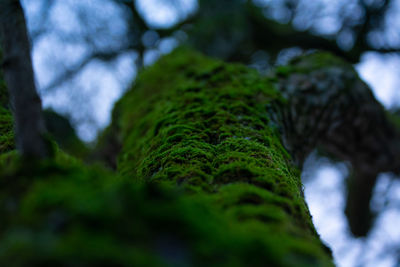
{"x": 382, "y": 73}
{"x": 324, "y": 194}
{"x": 98, "y": 86}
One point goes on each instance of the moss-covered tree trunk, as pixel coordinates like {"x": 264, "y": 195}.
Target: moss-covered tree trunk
{"x": 205, "y": 127}
{"x": 202, "y": 179}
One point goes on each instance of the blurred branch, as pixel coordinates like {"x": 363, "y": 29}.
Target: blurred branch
{"x": 36, "y": 33}
{"x": 70, "y": 73}
{"x": 261, "y": 34}
{"x": 137, "y": 27}
{"x": 268, "y": 32}
{"x": 373, "y": 18}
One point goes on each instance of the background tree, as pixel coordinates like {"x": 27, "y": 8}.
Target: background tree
{"x": 18, "y": 74}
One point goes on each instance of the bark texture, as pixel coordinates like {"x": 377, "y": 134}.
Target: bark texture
{"x": 19, "y": 77}
{"x": 329, "y": 108}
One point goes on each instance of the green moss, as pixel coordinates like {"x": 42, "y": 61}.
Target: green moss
{"x": 3, "y": 93}
{"x": 62, "y": 213}
{"x": 6, "y": 131}
{"x": 61, "y": 130}
{"x": 6, "y": 121}
{"x": 203, "y": 126}
{"x": 202, "y": 180}
{"x": 394, "y": 118}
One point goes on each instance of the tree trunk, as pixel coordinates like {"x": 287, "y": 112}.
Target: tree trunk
{"x": 203, "y": 179}
{"x": 19, "y": 77}
{"x": 208, "y": 173}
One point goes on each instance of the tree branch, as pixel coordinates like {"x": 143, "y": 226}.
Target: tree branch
{"x": 70, "y": 73}
{"x": 330, "y": 108}
{"x": 266, "y": 30}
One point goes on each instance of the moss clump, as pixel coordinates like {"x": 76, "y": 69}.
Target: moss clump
{"x": 62, "y": 213}
{"x": 203, "y": 126}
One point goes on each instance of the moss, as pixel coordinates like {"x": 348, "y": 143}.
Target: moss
{"x": 62, "y": 213}
{"x": 204, "y": 126}
{"x": 202, "y": 180}
{"x": 394, "y": 118}
{"x": 3, "y": 93}
{"x": 6, "y": 120}
{"x": 61, "y": 130}
{"x": 6, "y": 131}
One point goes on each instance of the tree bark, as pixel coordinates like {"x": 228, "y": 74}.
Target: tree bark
{"x": 331, "y": 109}
{"x": 19, "y": 77}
